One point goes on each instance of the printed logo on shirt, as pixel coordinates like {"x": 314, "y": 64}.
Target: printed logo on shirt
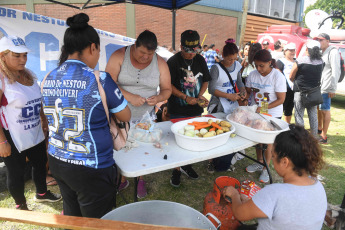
{"x": 190, "y": 81}
{"x": 118, "y": 93}
{"x": 259, "y": 96}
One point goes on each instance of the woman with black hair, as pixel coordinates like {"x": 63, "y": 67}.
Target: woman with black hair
{"x": 225, "y": 85}
{"x": 227, "y": 89}
{"x": 80, "y": 143}
{"x": 247, "y": 63}
{"x": 306, "y": 74}
{"x": 299, "y": 202}
{"x": 265, "y": 82}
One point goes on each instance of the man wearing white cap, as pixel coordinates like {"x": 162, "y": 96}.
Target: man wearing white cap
{"x": 329, "y": 80}
{"x": 21, "y": 133}
{"x": 265, "y": 46}
{"x": 285, "y": 65}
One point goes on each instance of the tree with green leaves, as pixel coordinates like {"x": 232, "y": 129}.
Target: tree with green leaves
{"x": 328, "y": 6}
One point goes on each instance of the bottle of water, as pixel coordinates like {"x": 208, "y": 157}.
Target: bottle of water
{"x": 264, "y": 106}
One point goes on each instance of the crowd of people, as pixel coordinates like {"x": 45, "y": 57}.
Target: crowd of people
{"x": 80, "y": 142}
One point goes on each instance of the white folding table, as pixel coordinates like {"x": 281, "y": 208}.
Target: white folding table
{"x": 146, "y": 158}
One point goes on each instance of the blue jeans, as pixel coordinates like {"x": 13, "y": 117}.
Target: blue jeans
{"x": 326, "y": 105}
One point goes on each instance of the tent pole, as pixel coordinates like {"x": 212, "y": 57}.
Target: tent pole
{"x": 173, "y": 27}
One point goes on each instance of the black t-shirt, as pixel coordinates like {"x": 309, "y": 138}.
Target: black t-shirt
{"x": 188, "y": 82}
{"x": 308, "y": 75}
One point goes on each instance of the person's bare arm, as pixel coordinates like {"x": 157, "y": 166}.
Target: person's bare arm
{"x": 5, "y": 147}
{"x": 113, "y": 68}
{"x": 293, "y": 72}
{"x": 280, "y": 100}
{"x": 44, "y": 121}
{"x": 123, "y": 115}
{"x": 165, "y": 89}
{"x": 229, "y": 96}
{"x": 242, "y": 211}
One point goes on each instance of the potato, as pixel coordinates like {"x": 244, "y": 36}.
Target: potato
{"x": 219, "y": 131}
{"x": 210, "y": 134}
{"x": 225, "y": 124}
{"x": 225, "y": 129}
{"x": 209, "y": 121}
{"x": 203, "y": 131}
{"x": 198, "y": 135}
{"x": 217, "y": 122}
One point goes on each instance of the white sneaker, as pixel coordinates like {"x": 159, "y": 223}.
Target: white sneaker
{"x": 254, "y": 167}
{"x": 264, "y": 177}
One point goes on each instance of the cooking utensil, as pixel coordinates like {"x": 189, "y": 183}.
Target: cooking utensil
{"x": 158, "y": 212}
{"x": 275, "y": 125}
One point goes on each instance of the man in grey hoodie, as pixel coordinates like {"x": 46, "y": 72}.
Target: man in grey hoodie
{"x": 329, "y": 80}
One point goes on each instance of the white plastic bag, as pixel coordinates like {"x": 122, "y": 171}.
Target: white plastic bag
{"x": 145, "y": 130}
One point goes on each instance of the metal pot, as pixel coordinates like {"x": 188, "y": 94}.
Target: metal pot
{"x": 164, "y": 213}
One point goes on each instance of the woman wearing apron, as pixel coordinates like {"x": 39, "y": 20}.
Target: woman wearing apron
{"x": 226, "y": 88}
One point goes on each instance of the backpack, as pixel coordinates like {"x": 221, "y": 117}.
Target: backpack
{"x": 342, "y": 66}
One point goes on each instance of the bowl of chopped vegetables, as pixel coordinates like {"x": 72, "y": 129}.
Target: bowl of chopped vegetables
{"x": 202, "y": 133}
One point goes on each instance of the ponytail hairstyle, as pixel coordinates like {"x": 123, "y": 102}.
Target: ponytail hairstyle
{"x": 265, "y": 56}
{"x": 314, "y": 53}
{"x": 230, "y": 48}
{"x": 78, "y": 36}
{"x": 302, "y": 148}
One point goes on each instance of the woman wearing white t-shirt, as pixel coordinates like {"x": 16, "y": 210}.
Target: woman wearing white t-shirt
{"x": 265, "y": 81}
{"x": 21, "y": 133}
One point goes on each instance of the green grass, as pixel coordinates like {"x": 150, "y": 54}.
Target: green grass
{"x": 192, "y": 193}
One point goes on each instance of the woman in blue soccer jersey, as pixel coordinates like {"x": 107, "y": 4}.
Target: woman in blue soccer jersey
{"x": 80, "y": 143}
{"x": 21, "y": 134}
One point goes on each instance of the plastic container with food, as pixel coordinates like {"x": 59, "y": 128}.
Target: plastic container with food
{"x": 199, "y": 143}
{"x": 258, "y": 135}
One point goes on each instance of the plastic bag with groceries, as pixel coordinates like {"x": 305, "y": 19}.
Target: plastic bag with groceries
{"x": 145, "y": 130}
{"x": 247, "y": 116}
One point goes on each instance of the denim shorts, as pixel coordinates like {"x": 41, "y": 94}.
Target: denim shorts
{"x": 326, "y": 105}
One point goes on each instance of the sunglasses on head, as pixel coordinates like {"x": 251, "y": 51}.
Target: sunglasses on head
{"x": 190, "y": 50}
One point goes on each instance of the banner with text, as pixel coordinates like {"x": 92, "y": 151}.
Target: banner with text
{"x": 44, "y": 37}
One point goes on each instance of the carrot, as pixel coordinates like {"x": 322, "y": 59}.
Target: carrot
{"x": 214, "y": 124}
{"x": 201, "y": 126}
{"x": 197, "y": 123}
{"x": 212, "y": 129}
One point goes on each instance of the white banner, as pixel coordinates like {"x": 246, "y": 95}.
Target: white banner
{"x": 44, "y": 37}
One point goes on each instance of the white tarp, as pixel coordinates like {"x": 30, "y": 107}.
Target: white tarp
{"x": 44, "y": 37}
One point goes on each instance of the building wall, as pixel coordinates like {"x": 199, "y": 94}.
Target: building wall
{"x": 256, "y": 25}
{"x": 113, "y": 19}
{"x": 217, "y": 27}
{"x": 110, "y": 18}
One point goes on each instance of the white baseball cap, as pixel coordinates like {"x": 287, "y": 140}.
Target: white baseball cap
{"x": 14, "y": 44}
{"x": 313, "y": 43}
{"x": 290, "y": 46}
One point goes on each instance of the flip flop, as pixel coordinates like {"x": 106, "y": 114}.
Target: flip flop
{"x": 50, "y": 181}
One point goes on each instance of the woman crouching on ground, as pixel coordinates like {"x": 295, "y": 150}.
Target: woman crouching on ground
{"x": 300, "y": 202}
